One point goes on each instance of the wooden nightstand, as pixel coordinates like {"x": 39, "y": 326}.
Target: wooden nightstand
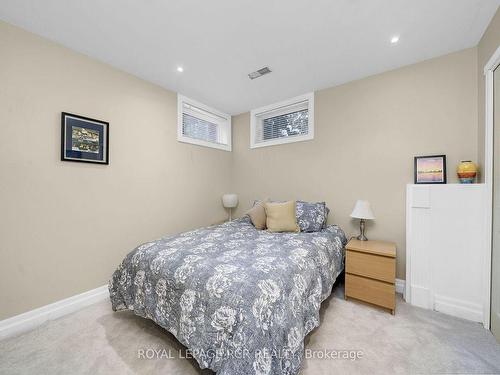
{"x": 370, "y": 272}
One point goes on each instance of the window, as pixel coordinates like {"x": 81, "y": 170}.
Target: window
{"x": 202, "y": 125}
{"x": 285, "y": 122}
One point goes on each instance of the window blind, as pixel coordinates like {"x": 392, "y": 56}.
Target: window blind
{"x": 288, "y": 121}
{"x": 201, "y": 125}
{"x": 285, "y": 121}
{"x": 284, "y": 125}
{"x": 198, "y": 128}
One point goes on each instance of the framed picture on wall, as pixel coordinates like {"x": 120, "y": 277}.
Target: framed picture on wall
{"x": 84, "y": 139}
{"x": 430, "y": 169}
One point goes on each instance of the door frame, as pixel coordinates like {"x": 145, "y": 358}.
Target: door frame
{"x": 489, "y": 68}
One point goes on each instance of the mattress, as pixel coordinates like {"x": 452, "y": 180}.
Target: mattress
{"x": 240, "y": 299}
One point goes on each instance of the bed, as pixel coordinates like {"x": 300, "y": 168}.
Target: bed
{"x": 240, "y": 299}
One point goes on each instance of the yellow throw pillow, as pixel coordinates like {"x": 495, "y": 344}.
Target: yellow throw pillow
{"x": 281, "y": 217}
{"x": 258, "y": 215}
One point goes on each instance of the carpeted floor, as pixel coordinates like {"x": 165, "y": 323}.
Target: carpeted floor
{"x": 97, "y": 341}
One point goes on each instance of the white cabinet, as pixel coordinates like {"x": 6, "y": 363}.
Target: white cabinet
{"x": 446, "y": 247}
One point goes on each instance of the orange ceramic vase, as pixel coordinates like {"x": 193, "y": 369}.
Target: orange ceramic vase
{"x": 466, "y": 171}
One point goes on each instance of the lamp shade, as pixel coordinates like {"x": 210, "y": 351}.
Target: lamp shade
{"x": 229, "y": 200}
{"x": 362, "y": 210}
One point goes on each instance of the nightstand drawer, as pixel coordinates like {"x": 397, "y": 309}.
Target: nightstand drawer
{"x": 373, "y": 291}
{"x": 373, "y": 266}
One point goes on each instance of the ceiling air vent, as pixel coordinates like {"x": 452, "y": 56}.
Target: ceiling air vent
{"x": 259, "y": 73}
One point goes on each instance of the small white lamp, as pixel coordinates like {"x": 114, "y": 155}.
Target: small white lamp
{"x": 363, "y": 211}
{"x": 230, "y": 201}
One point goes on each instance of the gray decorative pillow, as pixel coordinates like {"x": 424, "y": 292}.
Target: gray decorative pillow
{"x": 326, "y": 216}
{"x": 311, "y": 217}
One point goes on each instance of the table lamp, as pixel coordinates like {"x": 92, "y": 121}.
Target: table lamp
{"x": 230, "y": 201}
{"x": 362, "y": 211}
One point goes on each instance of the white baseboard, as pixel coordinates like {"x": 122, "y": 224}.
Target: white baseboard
{"x": 462, "y": 309}
{"x": 34, "y": 318}
{"x": 400, "y": 287}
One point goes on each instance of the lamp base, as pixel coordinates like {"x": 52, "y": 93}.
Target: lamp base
{"x": 362, "y": 236}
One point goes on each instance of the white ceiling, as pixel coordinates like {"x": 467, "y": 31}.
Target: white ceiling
{"x": 308, "y": 44}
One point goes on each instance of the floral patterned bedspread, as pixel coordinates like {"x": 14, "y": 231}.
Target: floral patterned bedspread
{"x": 242, "y": 300}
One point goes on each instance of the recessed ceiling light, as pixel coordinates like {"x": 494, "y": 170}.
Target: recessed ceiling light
{"x": 180, "y": 69}
{"x": 395, "y": 39}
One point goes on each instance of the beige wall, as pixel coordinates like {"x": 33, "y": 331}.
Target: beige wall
{"x": 65, "y": 226}
{"x": 366, "y": 135}
{"x": 485, "y": 49}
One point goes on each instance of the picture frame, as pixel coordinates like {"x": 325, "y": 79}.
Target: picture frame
{"x": 430, "y": 169}
{"x": 84, "y": 139}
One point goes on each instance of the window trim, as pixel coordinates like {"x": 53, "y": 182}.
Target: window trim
{"x": 254, "y": 113}
{"x": 181, "y": 100}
